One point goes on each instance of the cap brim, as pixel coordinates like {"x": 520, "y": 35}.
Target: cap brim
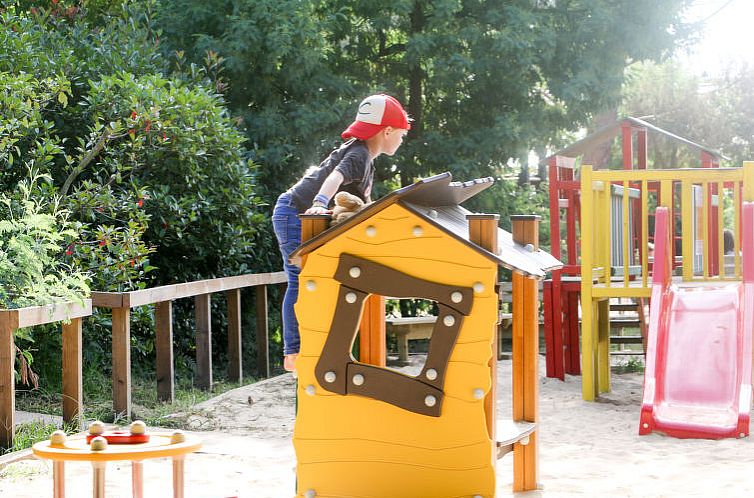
{"x": 361, "y": 130}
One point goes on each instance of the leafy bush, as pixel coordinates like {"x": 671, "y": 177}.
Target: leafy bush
{"x": 33, "y": 235}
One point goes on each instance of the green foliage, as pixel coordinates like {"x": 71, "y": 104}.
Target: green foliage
{"x": 712, "y": 111}
{"x": 484, "y": 80}
{"x": 33, "y": 235}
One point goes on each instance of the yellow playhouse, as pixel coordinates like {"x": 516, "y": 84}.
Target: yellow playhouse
{"x": 365, "y": 431}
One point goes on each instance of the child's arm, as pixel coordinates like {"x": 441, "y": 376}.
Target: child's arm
{"x": 326, "y": 191}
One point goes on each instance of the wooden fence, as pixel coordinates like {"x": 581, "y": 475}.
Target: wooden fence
{"x": 13, "y": 319}
{"x": 162, "y": 297}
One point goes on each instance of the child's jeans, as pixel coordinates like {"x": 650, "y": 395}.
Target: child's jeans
{"x": 287, "y": 228}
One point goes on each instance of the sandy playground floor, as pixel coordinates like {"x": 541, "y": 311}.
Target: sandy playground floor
{"x": 586, "y": 449}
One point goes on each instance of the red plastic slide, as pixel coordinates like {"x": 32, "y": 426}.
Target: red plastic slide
{"x": 697, "y": 379}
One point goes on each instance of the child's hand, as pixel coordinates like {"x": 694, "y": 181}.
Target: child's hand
{"x": 318, "y": 210}
{"x": 289, "y": 362}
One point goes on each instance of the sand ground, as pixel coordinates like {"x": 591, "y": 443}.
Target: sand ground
{"x": 586, "y": 449}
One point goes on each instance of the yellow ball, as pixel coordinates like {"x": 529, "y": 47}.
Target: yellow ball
{"x": 177, "y": 437}
{"x": 57, "y": 437}
{"x": 96, "y": 428}
{"x": 138, "y": 427}
{"x": 98, "y": 444}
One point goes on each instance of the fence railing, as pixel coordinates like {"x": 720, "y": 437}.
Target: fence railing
{"x": 162, "y": 297}
{"x": 70, "y": 314}
{"x": 696, "y": 197}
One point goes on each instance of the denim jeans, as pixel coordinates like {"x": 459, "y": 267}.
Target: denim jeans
{"x": 287, "y": 228}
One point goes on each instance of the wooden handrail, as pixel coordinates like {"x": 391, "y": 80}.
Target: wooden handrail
{"x": 133, "y": 299}
{"x": 122, "y": 302}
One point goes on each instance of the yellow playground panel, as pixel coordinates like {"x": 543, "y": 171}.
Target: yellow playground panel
{"x": 693, "y": 196}
{"x": 366, "y": 431}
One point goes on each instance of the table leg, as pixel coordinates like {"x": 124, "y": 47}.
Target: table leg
{"x": 178, "y": 476}
{"x": 137, "y": 479}
{"x": 58, "y": 479}
{"x": 98, "y": 489}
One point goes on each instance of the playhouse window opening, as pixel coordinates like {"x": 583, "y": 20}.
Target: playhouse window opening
{"x": 409, "y": 324}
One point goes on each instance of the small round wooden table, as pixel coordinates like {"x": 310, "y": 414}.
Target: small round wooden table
{"x": 160, "y": 445}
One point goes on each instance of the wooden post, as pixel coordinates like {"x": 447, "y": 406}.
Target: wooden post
{"x": 73, "y": 405}
{"x": 483, "y": 232}
{"x": 203, "y": 314}
{"x": 163, "y": 315}
{"x": 372, "y": 342}
{"x": 263, "y": 355}
{"x": 627, "y": 143}
{"x": 121, "y": 350}
{"x": 235, "y": 363}
{"x": 525, "y": 360}
{"x": 7, "y": 384}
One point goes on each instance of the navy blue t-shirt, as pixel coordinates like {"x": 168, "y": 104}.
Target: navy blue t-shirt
{"x": 351, "y": 160}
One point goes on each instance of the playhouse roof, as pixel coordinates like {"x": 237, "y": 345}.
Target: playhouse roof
{"x": 608, "y": 132}
{"x": 437, "y": 199}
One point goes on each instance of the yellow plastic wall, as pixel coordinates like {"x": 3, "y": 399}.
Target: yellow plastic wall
{"x": 357, "y": 447}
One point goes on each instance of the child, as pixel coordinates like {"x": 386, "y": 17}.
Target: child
{"x": 379, "y": 128}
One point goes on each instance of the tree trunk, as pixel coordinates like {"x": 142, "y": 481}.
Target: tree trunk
{"x": 415, "y": 86}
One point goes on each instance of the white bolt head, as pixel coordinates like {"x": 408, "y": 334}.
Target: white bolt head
{"x": 355, "y": 272}
{"x": 358, "y": 379}
{"x": 98, "y": 444}
{"x": 432, "y": 213}
{"x": 645, "y": 425}
{"x": 371, "y": 231}
{"x": 417, "y": 231}
{"x": 529, "y": 247}
{"x": 351, "y": 297}
{"x": 478, "y": 393}
{"x": 743, "y": 434}
{"x": 311, "y": 285}
{"x": 478, "y": 496}
{"x": 524, "y": 441}
{"x": 456, "y": 297}
{"x": 431, "y": 374}
{"x": 138, "y": 427}
{"x": 57, "y": 437}
{"x": 449, "y": 320}
{"x": 478, "y": 287}
{"x": 310, "y": 493}
{"x": 96, "y": 428}
{"x": 330, "y": 377}
{"x": 430, "y": 400}
{"x": 310, "y": 390}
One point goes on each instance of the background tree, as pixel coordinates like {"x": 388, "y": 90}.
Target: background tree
{"x": 484, "y": 80}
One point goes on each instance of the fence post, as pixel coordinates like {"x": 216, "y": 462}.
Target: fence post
{"x": 73, "y": 405}
{"x": 121, "y": 351}
{"x": 163, "y": 315}
{"x": 203, "y": 315}
{"x": 235, "y": 364}
{"x": 7, "y": 384}
{"x": 263, "y": 357}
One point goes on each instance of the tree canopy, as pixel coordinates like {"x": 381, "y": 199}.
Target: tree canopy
{"x": 484, "y": 80}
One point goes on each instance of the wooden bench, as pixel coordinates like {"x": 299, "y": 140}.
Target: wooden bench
{"x": 420, "y": 327}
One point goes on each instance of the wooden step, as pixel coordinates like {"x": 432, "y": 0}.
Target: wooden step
{"x": 625, "y": 339}
{"x": 625, "y": 322}
{"x": 623, "y": 307}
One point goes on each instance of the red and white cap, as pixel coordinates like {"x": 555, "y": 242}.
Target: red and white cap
{"x": 376, "y": 112}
